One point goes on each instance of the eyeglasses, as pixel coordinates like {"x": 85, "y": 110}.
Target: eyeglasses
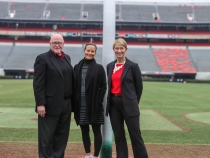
{"x": 56, "y": 43}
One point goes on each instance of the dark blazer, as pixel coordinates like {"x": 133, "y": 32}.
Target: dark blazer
{"x": 48, "y": 82}
{"x": 131, "y": 87}
{"x": 95, "y": 89}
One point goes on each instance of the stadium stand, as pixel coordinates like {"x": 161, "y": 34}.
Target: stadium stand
{"x": 24, "y": 56}
{"x": 181, "y": 13}
{"x": 95, "y": 11}
{"x": 168, "y": 13}
{"x": 144, "y": 57}
{"x": 27, "y": 10}
{"x": 200, "y": 57}
{"x": 118, "y": 12}
{"x": 32, "y": 41}
{"x": 137, "y": 13}
{"x": 174, "y": 60}
{"x": 202, "y": 13}
{"x": 75, "y": 52}
{"x": 3, "y": 9}
{"x": 64, "y": 11}
{"x": 168, "y": 56}
{"x": 170, "y": 43}
{"x": 98, "y": 57}
{"x": 4, "y": 52}
{"x": 174, "y": 13}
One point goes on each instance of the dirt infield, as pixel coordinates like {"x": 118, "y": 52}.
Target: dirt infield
{"x": 75, "y": 150}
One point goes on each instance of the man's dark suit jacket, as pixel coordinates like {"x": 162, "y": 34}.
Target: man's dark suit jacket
{"x": 48, "y": 82}
{"x": 131, "y": 87}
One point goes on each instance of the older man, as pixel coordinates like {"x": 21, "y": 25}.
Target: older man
{"x": 53, "y": 90}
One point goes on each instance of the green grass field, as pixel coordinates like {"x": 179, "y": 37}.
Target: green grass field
{"x": 171, "y": 113}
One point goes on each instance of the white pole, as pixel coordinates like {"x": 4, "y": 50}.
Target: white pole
{"x": 107, "y": 56}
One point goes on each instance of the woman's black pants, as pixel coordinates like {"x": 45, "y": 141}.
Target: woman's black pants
{"x": 118, "y": 116}
{"x": 86, "y": 138}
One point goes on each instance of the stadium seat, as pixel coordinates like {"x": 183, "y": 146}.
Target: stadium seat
{"x": 174, "y": 60}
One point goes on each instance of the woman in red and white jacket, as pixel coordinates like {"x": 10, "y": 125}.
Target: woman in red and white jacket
{"x": 124, "y": 93}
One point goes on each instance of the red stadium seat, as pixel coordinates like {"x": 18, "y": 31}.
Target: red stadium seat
{"x": 173, "y": 60}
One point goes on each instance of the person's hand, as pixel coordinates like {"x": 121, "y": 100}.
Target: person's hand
{"x": 41, "y": 110}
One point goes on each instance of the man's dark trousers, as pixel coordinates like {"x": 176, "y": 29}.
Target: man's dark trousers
{"x": 54, "y": 125}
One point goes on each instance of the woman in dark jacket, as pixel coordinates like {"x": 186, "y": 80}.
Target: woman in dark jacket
{"x": 124, "y": 93}
{"x": 91, "y": 88}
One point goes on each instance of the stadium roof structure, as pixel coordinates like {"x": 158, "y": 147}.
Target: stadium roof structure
{"x": 130, "y": 1}
{"x": 159, "y": 12}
